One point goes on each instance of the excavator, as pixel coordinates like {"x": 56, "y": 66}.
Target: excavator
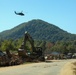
{"x": 36, "y": 54}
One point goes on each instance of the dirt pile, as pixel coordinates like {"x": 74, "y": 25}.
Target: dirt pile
{"x": 69, "y": 69}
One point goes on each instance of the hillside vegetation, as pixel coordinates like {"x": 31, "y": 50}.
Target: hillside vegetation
{"x": 45, "y": 35}
{"x": 39, "y": 30}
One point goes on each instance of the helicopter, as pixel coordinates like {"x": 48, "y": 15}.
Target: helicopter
{"x": 20, "y": 13}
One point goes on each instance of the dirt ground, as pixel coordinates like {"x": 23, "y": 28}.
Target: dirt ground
{"x": 69, "y": 69}
{"x": 55, "y": 67}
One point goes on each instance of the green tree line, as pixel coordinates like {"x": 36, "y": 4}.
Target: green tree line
{"x": 47, "y": 46}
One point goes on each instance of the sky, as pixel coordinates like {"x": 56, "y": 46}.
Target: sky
{"x": 61, "y": 13}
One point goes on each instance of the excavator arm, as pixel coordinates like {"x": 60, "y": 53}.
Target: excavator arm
{"x": 22, "y": 50}
{"x": 27, "y": 37}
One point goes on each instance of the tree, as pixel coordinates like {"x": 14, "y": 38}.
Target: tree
{"x": 7, "y": 45}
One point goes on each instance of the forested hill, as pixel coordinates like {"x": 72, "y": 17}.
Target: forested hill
{"x": 39, "y": 30}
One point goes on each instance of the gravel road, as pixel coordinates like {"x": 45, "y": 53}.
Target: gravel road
{"x": 42, "y": 68}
